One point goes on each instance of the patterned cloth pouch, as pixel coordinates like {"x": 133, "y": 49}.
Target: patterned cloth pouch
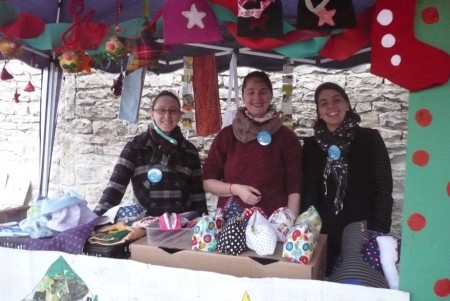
{"x": 300, "y": 243}
{"x": 232, "y": 209}
{"x": 130, "y": 213}
{"x": 281, "y": 220}
{"x": 248, "y": 212}
{"x": 205, "y": 235}
{"x": 260, "y": 235}
{"x": 312, "y": 216}
{"x": 232, "y": 238}
{"x": 217, "y": 215}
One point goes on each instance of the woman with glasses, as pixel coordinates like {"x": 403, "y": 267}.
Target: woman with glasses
{"x": 256, "y": 160}
{"x": 163, "y": 167}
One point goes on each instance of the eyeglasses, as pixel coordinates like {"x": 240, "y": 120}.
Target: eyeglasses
{"x": 164, "y": 111}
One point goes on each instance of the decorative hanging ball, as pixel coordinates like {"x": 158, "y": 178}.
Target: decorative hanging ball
{"x": 115, "y": 49}
{"x": 71, "y": 62}
{"x": 10, "y": 47}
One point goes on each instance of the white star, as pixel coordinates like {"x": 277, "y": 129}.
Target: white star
{"x": 194, "y": 16}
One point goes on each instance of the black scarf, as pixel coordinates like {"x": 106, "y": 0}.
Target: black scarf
{"x": 338, "y": 167}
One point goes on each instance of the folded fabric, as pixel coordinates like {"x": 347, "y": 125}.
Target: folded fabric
{"x": 56, "y": 204}
{"x": 389, "y": 257}
{"x": 170, "y": 221}
{"x": 109, "y": 238}
{"x": 129, "y": 213}
{"x": 71, "y": 217}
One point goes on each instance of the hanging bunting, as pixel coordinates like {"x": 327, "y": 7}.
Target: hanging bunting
{"x": 206, "y": 90}
{"x": 187, "y": 94}
{"x": 286, "y": 89}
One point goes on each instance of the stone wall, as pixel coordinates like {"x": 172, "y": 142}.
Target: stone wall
{"x": 89, "y": 136}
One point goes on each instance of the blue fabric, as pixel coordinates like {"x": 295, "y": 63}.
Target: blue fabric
{"x": 131, "y": 95}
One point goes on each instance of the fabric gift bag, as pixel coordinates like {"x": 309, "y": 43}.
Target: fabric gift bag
{"x": 260, "y": 18}
{"x": 312, "y": 216}
{"x": 205, "y": 235}
{"x": 281, "y": 220}
{"x": 260, "y": 235}
{"x": 189, "y": 21}
{"x": 232, "y": 237}
{"x": 233, "y": 87}
{"x": 300, "y": 243}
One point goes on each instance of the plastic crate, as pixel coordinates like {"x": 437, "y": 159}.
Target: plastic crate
{"x": 121, "y": 251}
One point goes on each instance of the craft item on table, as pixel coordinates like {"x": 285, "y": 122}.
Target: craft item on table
{"x": 353, "y": 269}
{"x": 286, "y": 89}
{"x": 232, "y": 209}
{"x": 205, "y": 234}
{"x": 208, "y": 116}
{"x": 190, "y": 21}
{"x": 260, "y": 236}
{"x": 300, "y": 243}
{"x": 232, "y": 237}
{"x": 12, "y": 229}
{"x": 392, "y": 38}
{"x": 233, "y": 93}
{"x": 389, "y": 258}
{"x": 60, "y": 282}
{"x": 260, "y": 19}
{"x": 146, "y": 222}
{"x": 108, "y": 238}
{"x": 71, "y": 217}
{"x": 130, "y": 99}
{"x": 35, "y": 224}
{"x": 217, "y": 215}
{"x": 187, "y": 93}
{"x": 70, "y": 241}
{"x": 249, "y": 211}
{"x": 325, "y": 14}
{"x": 170, "y": 221}
{"x": 310, "y": 216}
{"x": 130, "y": 213}
{"x": 282, "y": 219}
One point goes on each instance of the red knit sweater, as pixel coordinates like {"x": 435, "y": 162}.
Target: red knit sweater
{"x": 275, "y": 169}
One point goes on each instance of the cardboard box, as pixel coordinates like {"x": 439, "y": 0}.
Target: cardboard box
{"x": 173, "y": 249}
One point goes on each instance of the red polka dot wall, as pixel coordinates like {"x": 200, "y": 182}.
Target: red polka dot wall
{"x": 425, "y": 256}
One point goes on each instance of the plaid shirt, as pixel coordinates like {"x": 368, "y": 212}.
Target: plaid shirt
{"x": 181, "y": 187}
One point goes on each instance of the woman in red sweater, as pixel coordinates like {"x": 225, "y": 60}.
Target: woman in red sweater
{"x": 256, "y": 159}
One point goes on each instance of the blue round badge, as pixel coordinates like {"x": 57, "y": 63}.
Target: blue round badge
{"x": 334, "y": 152}
{"x": 154, "y": 175}
{"x": 264, "y": 138}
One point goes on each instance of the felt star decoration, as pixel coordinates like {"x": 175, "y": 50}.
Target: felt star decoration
{"x": 259, "y": 22}
{"x": 194, "y": 16}
{"x": 326, "y": 17}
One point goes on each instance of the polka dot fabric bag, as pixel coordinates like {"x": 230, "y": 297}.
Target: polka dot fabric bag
{"x": 232, "y": 237}
{"x": 260, "y": 235}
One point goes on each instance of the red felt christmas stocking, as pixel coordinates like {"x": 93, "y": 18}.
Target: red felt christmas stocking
{"x": 397, "y": 55}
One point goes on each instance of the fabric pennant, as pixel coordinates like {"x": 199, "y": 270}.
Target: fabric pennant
{"x": 191, "y": 21}
{"x": 206, "y": 91}
{"x": 325, "y": 14}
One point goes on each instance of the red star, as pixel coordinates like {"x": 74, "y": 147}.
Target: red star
{"x": 326, "y": 17}
{"x": 259, "y": 22}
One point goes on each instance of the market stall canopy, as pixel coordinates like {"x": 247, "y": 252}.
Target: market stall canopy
{"x": 51, "y": 20}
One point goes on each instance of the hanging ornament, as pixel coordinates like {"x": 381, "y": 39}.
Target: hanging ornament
{"x": 29, "y": 87}
{"x": 16, "y": 97}
{"x": 10, "y": 47}
{"x": 117, "y": 85}
{"x": 5, "y": 75}
{"x": 115, "y": 49}
{"x": 75, "y": 61}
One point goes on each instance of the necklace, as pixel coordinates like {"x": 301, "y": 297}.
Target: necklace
{"x": 162, "y": 134}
